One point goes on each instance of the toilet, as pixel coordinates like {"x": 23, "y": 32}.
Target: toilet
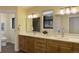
{"x": 3, "y": 38}
{"x": 3, "y": 41}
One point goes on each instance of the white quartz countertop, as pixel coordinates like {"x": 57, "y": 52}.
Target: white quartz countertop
{"x": 67, "y": 37}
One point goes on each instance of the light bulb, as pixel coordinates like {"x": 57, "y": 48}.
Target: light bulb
{"x": 30, "y": 16}
{"x": 35, "y": 16}
{"x": 67, "y": 11}
{"x": 73, "y": 10}
{"x": 62, "y": 12}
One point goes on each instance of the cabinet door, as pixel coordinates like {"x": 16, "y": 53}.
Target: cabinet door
{"x": 25, "y": 44}
{"x": 30, "y": 44}
{"x": 75, "y": 48}
{"x": 52, "y": 46}
{"x": 21, "y": 43}
{"x": 40, "y": 45}
{"x": 65, "y": 47}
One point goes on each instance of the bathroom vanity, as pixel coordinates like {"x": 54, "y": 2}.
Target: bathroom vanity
{"x": 47, "y": 44}
{"x": 51, "y": 43}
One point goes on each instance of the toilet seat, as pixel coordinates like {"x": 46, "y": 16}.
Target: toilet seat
{"x": 3, "y": 41}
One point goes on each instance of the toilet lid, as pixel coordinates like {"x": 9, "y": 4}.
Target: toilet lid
{"x": 3, "y": 38}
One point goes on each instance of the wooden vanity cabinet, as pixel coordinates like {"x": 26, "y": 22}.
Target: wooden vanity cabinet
{"x": 40, "y": 45}
{"x": 52, "y": 46}
{"x": 31, "y": 44}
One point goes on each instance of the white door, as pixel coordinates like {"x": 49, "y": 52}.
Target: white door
{"x": 9, "y": 30}
{"x": 12, "y": 30}
{"x": 12, "y": 27}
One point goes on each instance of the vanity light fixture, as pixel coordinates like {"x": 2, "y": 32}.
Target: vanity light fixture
{"x": 30, "y": 16}
{"x": 33, "y": 15}
{"x": 48, "y": 12}
{"x": 68, "y": 10}
{"x": 62, "y": 11}
{"x": 74, "y": 10}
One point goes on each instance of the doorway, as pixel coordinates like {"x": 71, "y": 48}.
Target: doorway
{"x": 8, "y": 28}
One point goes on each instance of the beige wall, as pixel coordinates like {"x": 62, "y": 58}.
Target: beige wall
{"x": 21, "y": 18}
{"x": 26, "y": 24}
{"x": 8, "y": 8}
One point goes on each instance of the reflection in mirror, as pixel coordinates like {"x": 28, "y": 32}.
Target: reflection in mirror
{"x": 2, "y": 26}
{"x": 74, "y": 25}
{"x": 48, "y": 20}
{"x": 36, "y": 24}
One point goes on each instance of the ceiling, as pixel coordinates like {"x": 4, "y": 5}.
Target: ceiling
{"x": 27, "y": 7}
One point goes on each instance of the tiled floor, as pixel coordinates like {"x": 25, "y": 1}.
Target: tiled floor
{"x": 9, "y": 48}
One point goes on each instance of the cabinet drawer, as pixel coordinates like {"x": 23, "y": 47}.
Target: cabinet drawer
{"x": 52, "y": 42}
{"x": 65, "y": 44}
{"x": 52, "y": 49}
{"x": 40, "y": 41}
{"x": 40, "y": 50}
{"x": 65, "y": 49}
{"x": 40, "y": 46}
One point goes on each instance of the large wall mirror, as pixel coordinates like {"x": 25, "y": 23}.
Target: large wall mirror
{"x": 74, "y": 24}
{"x": 36, "y": 24}
{"x": 48, "y": 20}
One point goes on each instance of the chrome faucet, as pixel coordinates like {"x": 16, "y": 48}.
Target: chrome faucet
{"x": 62, "y": 32}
